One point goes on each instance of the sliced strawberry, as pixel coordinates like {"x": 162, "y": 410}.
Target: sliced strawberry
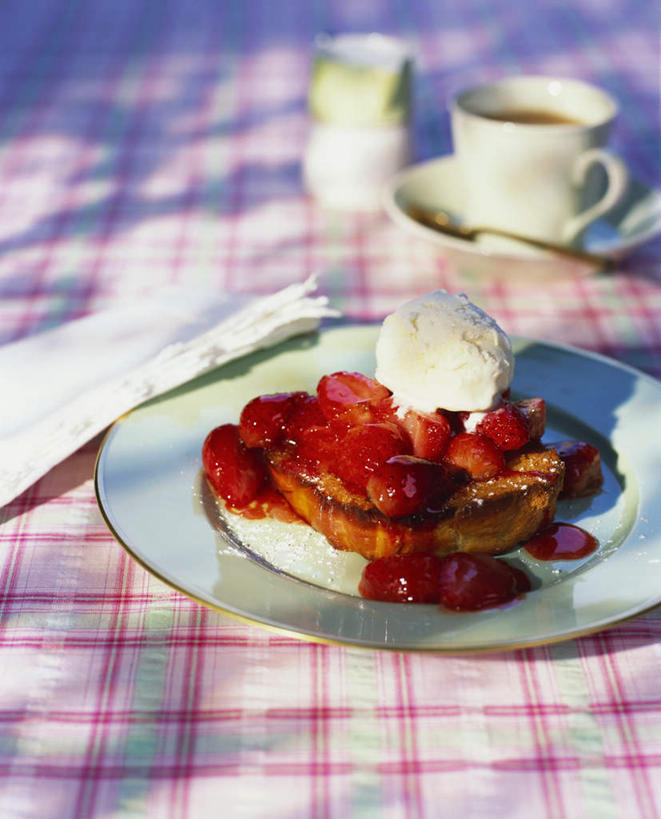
{"x": 412, "y": 578}
{"x": 235, "y": 472}
{"x": 405, "y": 484}
{"x": 582, "y": 468}
{"x": 386, "y": 410}
{"x": 429, "y": 433}
{"x": 470, "y": 582}
{"x": 350, "y": 397}
{"x": 506, "y": 426}
{"x": 304, "y": 414}
{"x": 262, "y": 421}
{"x": 523, "y": 582}
{"x": 363, "y": 448}
{"x": 534, "y": 412}
{"x": 316, "y": 448}
{"x": 475, "y": 453}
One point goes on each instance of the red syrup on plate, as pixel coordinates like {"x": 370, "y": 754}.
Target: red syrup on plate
{"x": 561, "y": 541}
{"x": 472, "y": 582}
{"x": 269, "y": 503}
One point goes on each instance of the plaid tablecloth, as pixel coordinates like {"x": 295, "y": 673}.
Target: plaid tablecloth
{"x": 146, "y": 143}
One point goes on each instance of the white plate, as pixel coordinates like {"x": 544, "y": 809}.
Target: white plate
{"x": 149, "y": 491}
{"x": 436, "y": 185}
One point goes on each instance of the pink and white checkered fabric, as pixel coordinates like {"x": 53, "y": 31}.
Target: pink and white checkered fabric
{"x": 144, "y": 144}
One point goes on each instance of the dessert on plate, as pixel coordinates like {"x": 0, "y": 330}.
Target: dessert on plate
{"x": 429, "y": 457}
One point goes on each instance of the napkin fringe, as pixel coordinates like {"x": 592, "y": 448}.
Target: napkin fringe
{"x": 28, "y": 455}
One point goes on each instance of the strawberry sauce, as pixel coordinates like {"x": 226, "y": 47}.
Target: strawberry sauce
{"x": 405, "y": 466}
{"x": 561, "y": 541}
{"x": 269, "y": 503}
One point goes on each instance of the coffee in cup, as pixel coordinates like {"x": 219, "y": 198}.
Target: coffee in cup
{"x": 526, "y": 147}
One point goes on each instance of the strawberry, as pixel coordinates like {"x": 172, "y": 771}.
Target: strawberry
{"x": 385, "y": 410}
{"x": 523, "y": 583}
{"x": 363, "y": 448}
{"x": 475, "y": 453}
{"x": 534, "y": 412}
{"x": 262, "y": 420}
{"x": 470, "y": 582}
{"x": 412, "y": 578}
{"x": 506, "y": 426}
{"x": 304, "y": 414}
{"x": 429, "y": 433}
{"x": 350, "y": 397}
{"x": 235, "y": 472}
{"x": 316, "y": 448}
{"x": 267, "y": 419}
{"x": 405, "y": 484}
{"x": 582, "y": 468}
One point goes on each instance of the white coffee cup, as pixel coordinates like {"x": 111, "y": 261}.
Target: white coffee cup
{"x": 526, "y": 147}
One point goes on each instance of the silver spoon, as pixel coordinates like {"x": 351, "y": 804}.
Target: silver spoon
{"x": 443, "y": 222}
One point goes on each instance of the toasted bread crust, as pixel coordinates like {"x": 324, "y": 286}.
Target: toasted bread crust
{"x": 488, "y": 516}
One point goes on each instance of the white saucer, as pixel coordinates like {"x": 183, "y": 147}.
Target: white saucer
{"x": 435, "y": 184}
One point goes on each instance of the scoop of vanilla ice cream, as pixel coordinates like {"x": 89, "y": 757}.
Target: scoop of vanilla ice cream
{"x": 440, "y": 351}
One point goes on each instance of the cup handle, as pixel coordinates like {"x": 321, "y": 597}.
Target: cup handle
{"x": 618, "y": 180}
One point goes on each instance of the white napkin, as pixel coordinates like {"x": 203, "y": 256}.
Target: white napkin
{"x": 59, "y": 388}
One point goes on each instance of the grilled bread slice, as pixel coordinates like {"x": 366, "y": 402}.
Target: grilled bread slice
{"x": 483, "y": 516}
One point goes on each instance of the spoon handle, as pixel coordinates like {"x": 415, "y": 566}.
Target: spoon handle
{"x": 441, "y": 221}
